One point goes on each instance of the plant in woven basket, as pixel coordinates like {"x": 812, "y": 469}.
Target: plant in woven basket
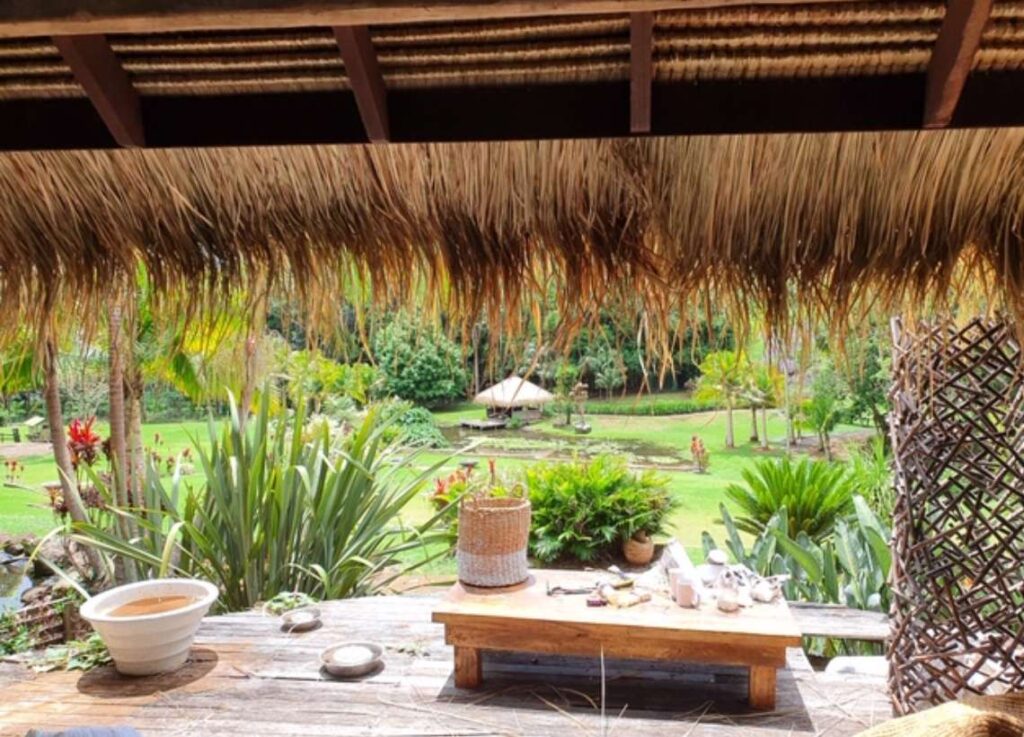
{"x": 493, "y": 532}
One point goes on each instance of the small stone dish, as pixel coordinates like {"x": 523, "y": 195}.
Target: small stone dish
{"x": 351, "y": 659}
{"x": 300, "y": 620}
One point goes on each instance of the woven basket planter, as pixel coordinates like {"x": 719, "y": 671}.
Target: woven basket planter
{"x": 493, "y": 535}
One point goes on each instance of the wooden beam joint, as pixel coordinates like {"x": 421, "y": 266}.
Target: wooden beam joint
{"x": 641, "y": 77}
{"x": 99, "y": 71}
{"x": 952, "y": 58}
{"x": 365, "y": 79}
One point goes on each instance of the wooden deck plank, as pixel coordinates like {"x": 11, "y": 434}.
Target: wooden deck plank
{"x": 246, "y": 677}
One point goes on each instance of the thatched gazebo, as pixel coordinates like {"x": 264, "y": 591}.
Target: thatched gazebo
{"x": 514, "y": 397}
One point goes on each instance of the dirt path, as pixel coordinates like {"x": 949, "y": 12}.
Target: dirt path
{"x": 9, "y": 451}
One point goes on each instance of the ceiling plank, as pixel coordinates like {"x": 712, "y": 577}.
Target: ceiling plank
{"x": 19, "y": 18}
{"x": 107, "y": 85}
{"x": 365, "y": 78}
{"x": 641, "y": 76}
{"x": 952, "y": 58}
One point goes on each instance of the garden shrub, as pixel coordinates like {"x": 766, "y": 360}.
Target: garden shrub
{"x": 420, "y": 365}
{"x": 418, "y": 428}
{"x": 584, "y": 508}
{"x": 814, "y": 495}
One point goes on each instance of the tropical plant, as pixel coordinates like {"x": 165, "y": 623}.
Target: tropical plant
{"x": 813, "y": 493}
{"x": 423, "y": 366}
{"x": 582, "y": 509}
{"x": 851, "y": 569}
{"x": 764, "y": 387}
{"x": 278, "y": 512}
{"x": 871, "y": 476}
{"x": 723, "y": 378}
{"x": 418, "y": 428}
{"x": 821, "y": 412}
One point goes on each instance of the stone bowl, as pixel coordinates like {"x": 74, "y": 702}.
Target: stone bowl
{"x": 148, "y": 644}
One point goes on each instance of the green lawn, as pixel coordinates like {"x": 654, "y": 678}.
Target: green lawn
{"x": 26, "y": 510}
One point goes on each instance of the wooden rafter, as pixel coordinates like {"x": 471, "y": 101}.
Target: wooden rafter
{"x": 952, "y": 58}
{"x": 107, "y": 85}
{"x": 365, "y": 79}
{"x": 28, "y": 18}
{"x": 641, "y": 54}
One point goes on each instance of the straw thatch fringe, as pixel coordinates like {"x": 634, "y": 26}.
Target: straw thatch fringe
{"x": 827, "y": 225}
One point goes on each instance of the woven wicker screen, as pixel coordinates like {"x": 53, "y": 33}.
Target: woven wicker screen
{"x": 958, "y": 529}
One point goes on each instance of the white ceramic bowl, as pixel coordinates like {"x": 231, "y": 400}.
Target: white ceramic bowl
{"x": 150, "y": 643}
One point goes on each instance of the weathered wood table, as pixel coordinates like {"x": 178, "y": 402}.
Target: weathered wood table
{"x": 246, "y": 677}
{"x": 528, "y": 619}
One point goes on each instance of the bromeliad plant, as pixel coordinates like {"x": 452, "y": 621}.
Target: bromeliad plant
{"x": 281, "y": 510}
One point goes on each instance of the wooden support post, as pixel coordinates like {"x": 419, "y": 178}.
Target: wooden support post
{"x": 105, "y": 81}
{"x": 762, "y": 687}
{"x": 641, "y": 56}
{"x": 365, "y": 78}
{"x": 951, "y": 61}
{"x": 468, "y": 667}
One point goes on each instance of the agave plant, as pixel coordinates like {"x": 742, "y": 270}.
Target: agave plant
{"x": 282, "y": 508}
{"x": 814, "y": 494}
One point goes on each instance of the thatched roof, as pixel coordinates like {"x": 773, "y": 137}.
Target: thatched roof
{"x": 514, "y": 393}
{"x": 827, "y": 222}
{"x": 759, "y": 41}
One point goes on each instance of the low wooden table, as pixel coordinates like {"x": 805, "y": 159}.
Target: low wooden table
{"x": 528, "y": 620}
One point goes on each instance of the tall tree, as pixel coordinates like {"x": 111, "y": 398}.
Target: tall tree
{"x": 723, "y": 379}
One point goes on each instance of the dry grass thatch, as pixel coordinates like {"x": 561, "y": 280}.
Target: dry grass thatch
{"x": 832, "y": 224}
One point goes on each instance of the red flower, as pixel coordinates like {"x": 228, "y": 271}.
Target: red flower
{"x": 83, "y": 442}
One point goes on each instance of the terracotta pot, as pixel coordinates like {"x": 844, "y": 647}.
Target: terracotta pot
{"x": 638, "y": 550}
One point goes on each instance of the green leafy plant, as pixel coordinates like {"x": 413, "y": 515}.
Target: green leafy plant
{"x": 417, "y": 427}
{"x": 83, "y": 655}
{"x": 822, "y": 411}
{"x": 813, "y": 493}
{"x": 419, "y": 365}
{"x": 288, "y": 600}
{"x": 851, "y": 568}
{"x": 582, "y": 509}
{"x": 871, "y": 476}
{"x": 281, "y": 512}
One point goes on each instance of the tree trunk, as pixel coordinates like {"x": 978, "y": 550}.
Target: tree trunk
{"x": 118, "y": 444}
{"x": 730, "y": 440}
{"x": 61, "y": 456}
{"x": 133, "y": 424}
{"x": 764, "y": 428}
{"x": 249, "y": 385}
{"x": 753, "y": 424}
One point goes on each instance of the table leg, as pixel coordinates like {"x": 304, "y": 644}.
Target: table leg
{"x": 762, "y": 687}
{"x": 468, "y": 667}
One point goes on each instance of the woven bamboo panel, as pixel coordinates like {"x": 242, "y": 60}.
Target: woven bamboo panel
{"x": 958, "y": 549}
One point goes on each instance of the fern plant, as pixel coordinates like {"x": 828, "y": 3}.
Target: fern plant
{"x": 582, "y": 509}
{"x": 814, "y": 494}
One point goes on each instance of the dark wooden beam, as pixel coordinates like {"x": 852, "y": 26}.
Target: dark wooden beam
{"x": 533, "y": 112}
{"x": 39, "y": 18}
{"x": 641, "y": 62}
{"x": 107, "y": 84}
{"x": 952, "y": 58}
{"x": 365, "y": 79}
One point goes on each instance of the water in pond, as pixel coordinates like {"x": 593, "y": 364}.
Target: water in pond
{"x": 14, "y": 581}
{"x": 540, "y": 445}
